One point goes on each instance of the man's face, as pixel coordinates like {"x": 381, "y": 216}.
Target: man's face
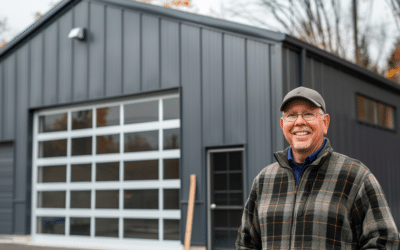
{"x": 315, "y": 129}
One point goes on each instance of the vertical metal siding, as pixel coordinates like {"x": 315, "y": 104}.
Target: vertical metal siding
{"x": 277, "y": 84}
{"x": 50, "y": 65}
{"x": 234, "y": 90}
{"x": 22, "y": 180}
{"x": 65, "y": 59}
{"x": 308, "y": 73}
{"x": 258, "y": 108}
{"x": 113, "y": 52}
{"x": 80, "y": 55}
{"x": 291, "y": 69}
{"x": 212, "y": 63}
{"x": 6, "y": 187}
{"x": 96, "y": 38}
{"x": 36, "y": 70}
{"x": 394, "y": 187}
{"x": 9, "y": 97}
{"x": 169, "y": 54}
{"x": 1, "y": 101}
{"x": 131, "y": 55}
{"x": 151, "y": 53}
{"x": 192, "y": 155}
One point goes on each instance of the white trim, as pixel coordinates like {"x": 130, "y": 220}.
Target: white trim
{"x": 106, "y": 185}
{"x": 120, "y": 185}
{"x": 131, "y": 156}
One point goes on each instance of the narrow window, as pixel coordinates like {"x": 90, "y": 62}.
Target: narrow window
{"x": 375, "y": 112}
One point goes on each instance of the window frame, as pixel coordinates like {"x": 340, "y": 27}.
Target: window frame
{"x": 120, "y": 213}
{"x": 376, "y": 112}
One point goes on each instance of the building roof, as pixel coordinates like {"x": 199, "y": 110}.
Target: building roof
{"x": 211, "y": 22}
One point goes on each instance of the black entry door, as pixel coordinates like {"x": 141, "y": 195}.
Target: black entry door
{"x": 225, "y": 197}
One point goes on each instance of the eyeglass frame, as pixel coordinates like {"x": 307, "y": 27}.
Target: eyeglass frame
{"x": 302, "y": 115}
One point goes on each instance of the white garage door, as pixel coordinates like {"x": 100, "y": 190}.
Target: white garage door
{"x": 108, "y": 173}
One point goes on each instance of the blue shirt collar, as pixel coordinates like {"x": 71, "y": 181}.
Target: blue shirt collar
{"x": 309, "y": 158}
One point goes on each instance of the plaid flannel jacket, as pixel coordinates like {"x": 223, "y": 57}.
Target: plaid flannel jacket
{"x": 338, "y": 204}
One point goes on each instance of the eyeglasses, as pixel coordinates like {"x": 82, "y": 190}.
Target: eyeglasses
{"x": 307, "y": 115}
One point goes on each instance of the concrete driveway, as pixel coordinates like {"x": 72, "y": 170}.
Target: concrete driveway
{"x": 10, "y": 246}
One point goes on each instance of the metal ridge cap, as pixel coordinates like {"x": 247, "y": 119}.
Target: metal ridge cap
{"x": 340, "y": 61}
{"x": 34, "y": 26}
{"x": 198, "y": 19}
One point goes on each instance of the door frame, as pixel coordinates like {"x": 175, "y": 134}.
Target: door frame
{"x": 208, "y": 153}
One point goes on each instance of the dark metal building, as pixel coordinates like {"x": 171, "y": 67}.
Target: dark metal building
{"x": 215, "y": 85}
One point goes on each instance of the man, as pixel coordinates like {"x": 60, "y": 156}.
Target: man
{"x": 313, "y": 197}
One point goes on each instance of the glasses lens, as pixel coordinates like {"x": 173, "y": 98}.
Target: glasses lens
{"x": 290, "y": 117}
{"x": 309, "y": 116}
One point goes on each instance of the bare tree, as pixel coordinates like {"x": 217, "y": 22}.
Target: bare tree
{"x": 171, "y": 4}
{"x": 3, "y": 29}
{"x": 323, "y": 23}
{"x": 395, "y": 4}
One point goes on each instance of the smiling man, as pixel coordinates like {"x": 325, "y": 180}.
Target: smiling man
{"x": 313, "y": 197}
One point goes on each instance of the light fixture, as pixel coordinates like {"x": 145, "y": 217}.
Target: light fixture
{"x": 78, "y": 34}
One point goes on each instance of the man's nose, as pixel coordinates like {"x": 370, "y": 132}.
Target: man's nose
{"x": 299, "y": 120}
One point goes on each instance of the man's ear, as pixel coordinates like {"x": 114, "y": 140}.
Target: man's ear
{"x": 327, "y": 120}
{"x": 281, "y": 123}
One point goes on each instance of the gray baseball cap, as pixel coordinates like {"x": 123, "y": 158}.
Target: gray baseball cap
{"x": 306, "y": 93}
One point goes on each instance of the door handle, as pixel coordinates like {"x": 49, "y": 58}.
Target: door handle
{"x": 213, "y": 206}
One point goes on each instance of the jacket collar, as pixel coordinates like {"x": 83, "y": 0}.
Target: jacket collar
{"x": 282, "y": 156}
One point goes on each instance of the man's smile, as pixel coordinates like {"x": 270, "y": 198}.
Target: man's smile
{"x": 301, "y": 133}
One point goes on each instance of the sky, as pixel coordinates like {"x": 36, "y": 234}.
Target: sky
{"x": 20, "y": 15}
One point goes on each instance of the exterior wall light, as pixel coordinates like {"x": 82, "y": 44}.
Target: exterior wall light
{"x": 78, "y": 34}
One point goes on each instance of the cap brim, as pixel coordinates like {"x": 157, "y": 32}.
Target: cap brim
{"x": 294, "y": 97}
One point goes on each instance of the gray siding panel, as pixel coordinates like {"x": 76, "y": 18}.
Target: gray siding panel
{"x": 150, "y": 53}
{"x": 22, "y": 172}
{"x": 393, "y": 191}
{"x": 308, "y": 75}
{"x": 80, "y": 80}
{"x": 294, "y": 70}
{"x": 131, "y": 55}
{"x": 276, "y": 86}
{"x": 192, "y": 155}
{"x": 169, "y": 54}
{"x": 9, "y": 97}
{"x": 6, "y": 187}
{"x": 65, "y": 59}
{"x": 96, "y": 38}
{"x": 291, "y": 69}
{"x": 50, "y": 65}
{"x": 212, "y": 63}
{"x": 234, "y": 90}
{"x": 36, "y": 71}
{"x": 1, "y": 100}
{"x": 258, "y": 108}
{"x": 113, "y": 52}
